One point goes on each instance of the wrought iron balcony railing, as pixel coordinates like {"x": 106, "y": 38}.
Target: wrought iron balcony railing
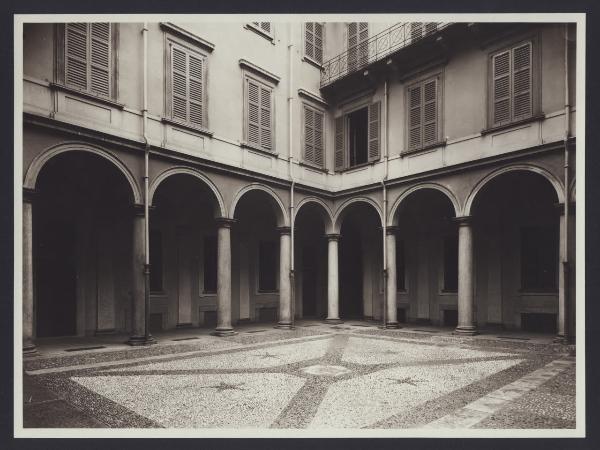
{"x": 377, "y": 47}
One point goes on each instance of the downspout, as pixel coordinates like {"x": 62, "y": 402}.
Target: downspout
{"x": 291, "y": 176}
{"x": 565, "y": 262}
{"x": 384, "y": 212}
{"x": 147, "y": 337}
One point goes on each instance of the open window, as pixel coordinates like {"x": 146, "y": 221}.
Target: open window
{"x": 357, "y": 137}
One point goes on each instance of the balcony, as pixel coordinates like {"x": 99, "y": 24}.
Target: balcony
{"x": 378, "y": 47}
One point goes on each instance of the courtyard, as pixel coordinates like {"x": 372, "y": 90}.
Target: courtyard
{"x": 316, "y": 377}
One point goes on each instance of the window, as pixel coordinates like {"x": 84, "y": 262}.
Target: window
{"x": 451, "y": 264}
{"x": 357, "y": 137}
{"x": 187, "y": 69}
{"x": 313, "y": 136}
{"x": 156, "y": 261}
{"x": 264, "y": 29}
{"x": 417, "y": 29}
{"x": 512, "y": 84}
{"x": 400, "y": 266}
{"x": 264, "y": 26}
{"x": 539, "y": 258}
{"x": 259, "y": 117}
{"x": 267, "y": 266}
{"x": 313, "y": 41}
{"x": 423, "y": 101}
{"x": 358, "y": 50}
{"x": 210, "y": 265}
{"x": 87, "y": 50}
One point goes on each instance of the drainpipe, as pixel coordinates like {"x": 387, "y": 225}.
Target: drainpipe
{"x": 290, "y": 161}
{"x": 384, "y": 190}
{"x": 565, "y": 262}
{"x": 147, "y": 336}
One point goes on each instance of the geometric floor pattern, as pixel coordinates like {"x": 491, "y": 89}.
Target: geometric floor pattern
{"x": 342, "y": 379}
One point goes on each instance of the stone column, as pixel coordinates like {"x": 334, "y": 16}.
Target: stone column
{"x": 563, "y": 334}
{"x": 285, "y": 289}
{"x": 224, "y": 327}
{"x": 392, "y": 305}
{"x": 28, "y": 345}
{"x": 466, "y": 325}
{"x": 138, "y": 289}
{"x": 333, "y": 315}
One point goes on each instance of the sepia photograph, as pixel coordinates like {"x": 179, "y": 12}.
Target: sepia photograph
{"x": 299, "y": 225}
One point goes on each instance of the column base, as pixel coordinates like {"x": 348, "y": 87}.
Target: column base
{"x": 561, "y": 339}
{"x": 136, "y": 341}
{"x": 224, "y": 332}
{"x": 333, "y": 321}
{"x": 392, "y": 326}
{"x": 29, "y": 348}
{"x": 284, "y": 326}
{"x": 466, "y": 330}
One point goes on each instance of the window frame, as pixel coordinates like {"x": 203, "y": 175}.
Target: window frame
{"x": 262, "y": 82}
{"x": 314, "y": 109}
{"x": 310, "y": 59}
{"x": 268, "y": 35}
{"x": 536, "y": 81}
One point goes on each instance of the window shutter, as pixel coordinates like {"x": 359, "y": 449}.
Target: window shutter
{"x": 416, "y": 31}
{"x": 363, "y": 37}
{"x": 501, "y": 87}
{"x": 253, "y": 93}
{"x": 522, "y": 106}
{"x": 195, "y": 90}
{"x": 340, "y": 144}
{"x": 265, "y": 119}
{"x": 414, "y": 117}
{"x": 100, "y": 58}
{"x": 179, "y": 93}
{"x": 266, "y": 26}
{"x": 309, "y": 136}
{"x": 318, "y": 42}
{"x": 352, "y": 42}
{"x": 318, "y": 130}
{"x": 430, "y": 27}
{"x": 309, "y": 48}
{"x": 374, "y": 131}
{"x": 430, "y": 125}
{"x": 76, "y": 55}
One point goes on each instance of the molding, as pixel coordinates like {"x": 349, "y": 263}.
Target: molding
{"x": 313, "y": 97}
{"x": 284, "y": 230}
{"x": 312, "y": 62}
{"x": 245, "y": 64}
{"x": 180, "y": 32}
{"x": 333, "y": 236}
{"x": 187, "y": 126}
{"x": 268, "y": 36}
{"x": 29, "y": 194}
{"x": 425, "y": 148}
{"x": 534, "y": 118}
{"x": 224, "y": 222}
{"x": 362, "y": 95}
{"x": 313, "y": 167}
{"x": 87, "y": 95}
{"x": 244, "y": 144}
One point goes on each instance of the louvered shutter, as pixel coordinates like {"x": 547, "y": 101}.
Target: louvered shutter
{"x": 309, "y": 48}
{"x": 430, "y": 27}
{"x": 195, "y": 91}
{"x": 363, "y": 37}
{"x": 416, "y": 31}
{"x": 179, "y": 93}
{"x": 318, "y": 41}
{"x": 265, "y": 26}
{"x": 352, "y": 42}
{"x": 76, "y": 55}
{"x": 521, "y": 69}
{"x": 501, "y": 88}
{"x": 414, "y": 117}
{"x": 100, "y": 58}
{"x": 374, "y": 131}
{"x": 318, "y": 133}
{"x": 265, "y": 119}
{"x": 430, "y": 125}
{"x": 340, "y": 143}
{"x": 253, "y": 97}
{"x": 309, "y": 135}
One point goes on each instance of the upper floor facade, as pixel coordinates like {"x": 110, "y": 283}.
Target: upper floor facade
{"x": 332, "y": 106}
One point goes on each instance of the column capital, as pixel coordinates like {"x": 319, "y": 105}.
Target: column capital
{"x": 225, "y": 222}
{"x": 138, "y": 209}
{"x": 29, "y": 194}
{"x": 333, "y": 236}
{"x": 284, "y": 230}
{"x": 463, "y": 221}
{"x": 560, "y": 208}
{"x": 393, "y": 230}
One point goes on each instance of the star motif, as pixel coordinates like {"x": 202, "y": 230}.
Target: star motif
{"x": 225, "y": 387}
{"x": 407, "y": 380}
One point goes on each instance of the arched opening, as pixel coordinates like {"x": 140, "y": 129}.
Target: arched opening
{"x": 517, "y": 252}
{"x": 183, "y": 254}
{"x": 427, "y": 259}
{"x": 310, "y": 264}
{"x": 360, "y": 263}
{"x": 82, "y": 246}
{"x": 255, "y": 244}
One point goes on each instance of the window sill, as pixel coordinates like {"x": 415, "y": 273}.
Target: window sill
{"x": 88, "y": 95}
{"x": 312, "y": 62}
{"x": 313, "y": 166}
{"x": 356, "y": 167}
{"x": 258, "y": 149}
{"x": 187, "y": 126}
{"x": 424, "y": 148}
{"x": 513, "y": 124}
{"x": 260, "y": 32}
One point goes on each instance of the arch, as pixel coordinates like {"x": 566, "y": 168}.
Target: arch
{"x": 338, "y": 216}
{"x": 283, "y": 218}
{"x": 180, "y": 170}
{"x": 40, "y": 160}
{"x": 326, "y": 211}
{"x": 556, "y": 183}
{"x": 393, "y": 220}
